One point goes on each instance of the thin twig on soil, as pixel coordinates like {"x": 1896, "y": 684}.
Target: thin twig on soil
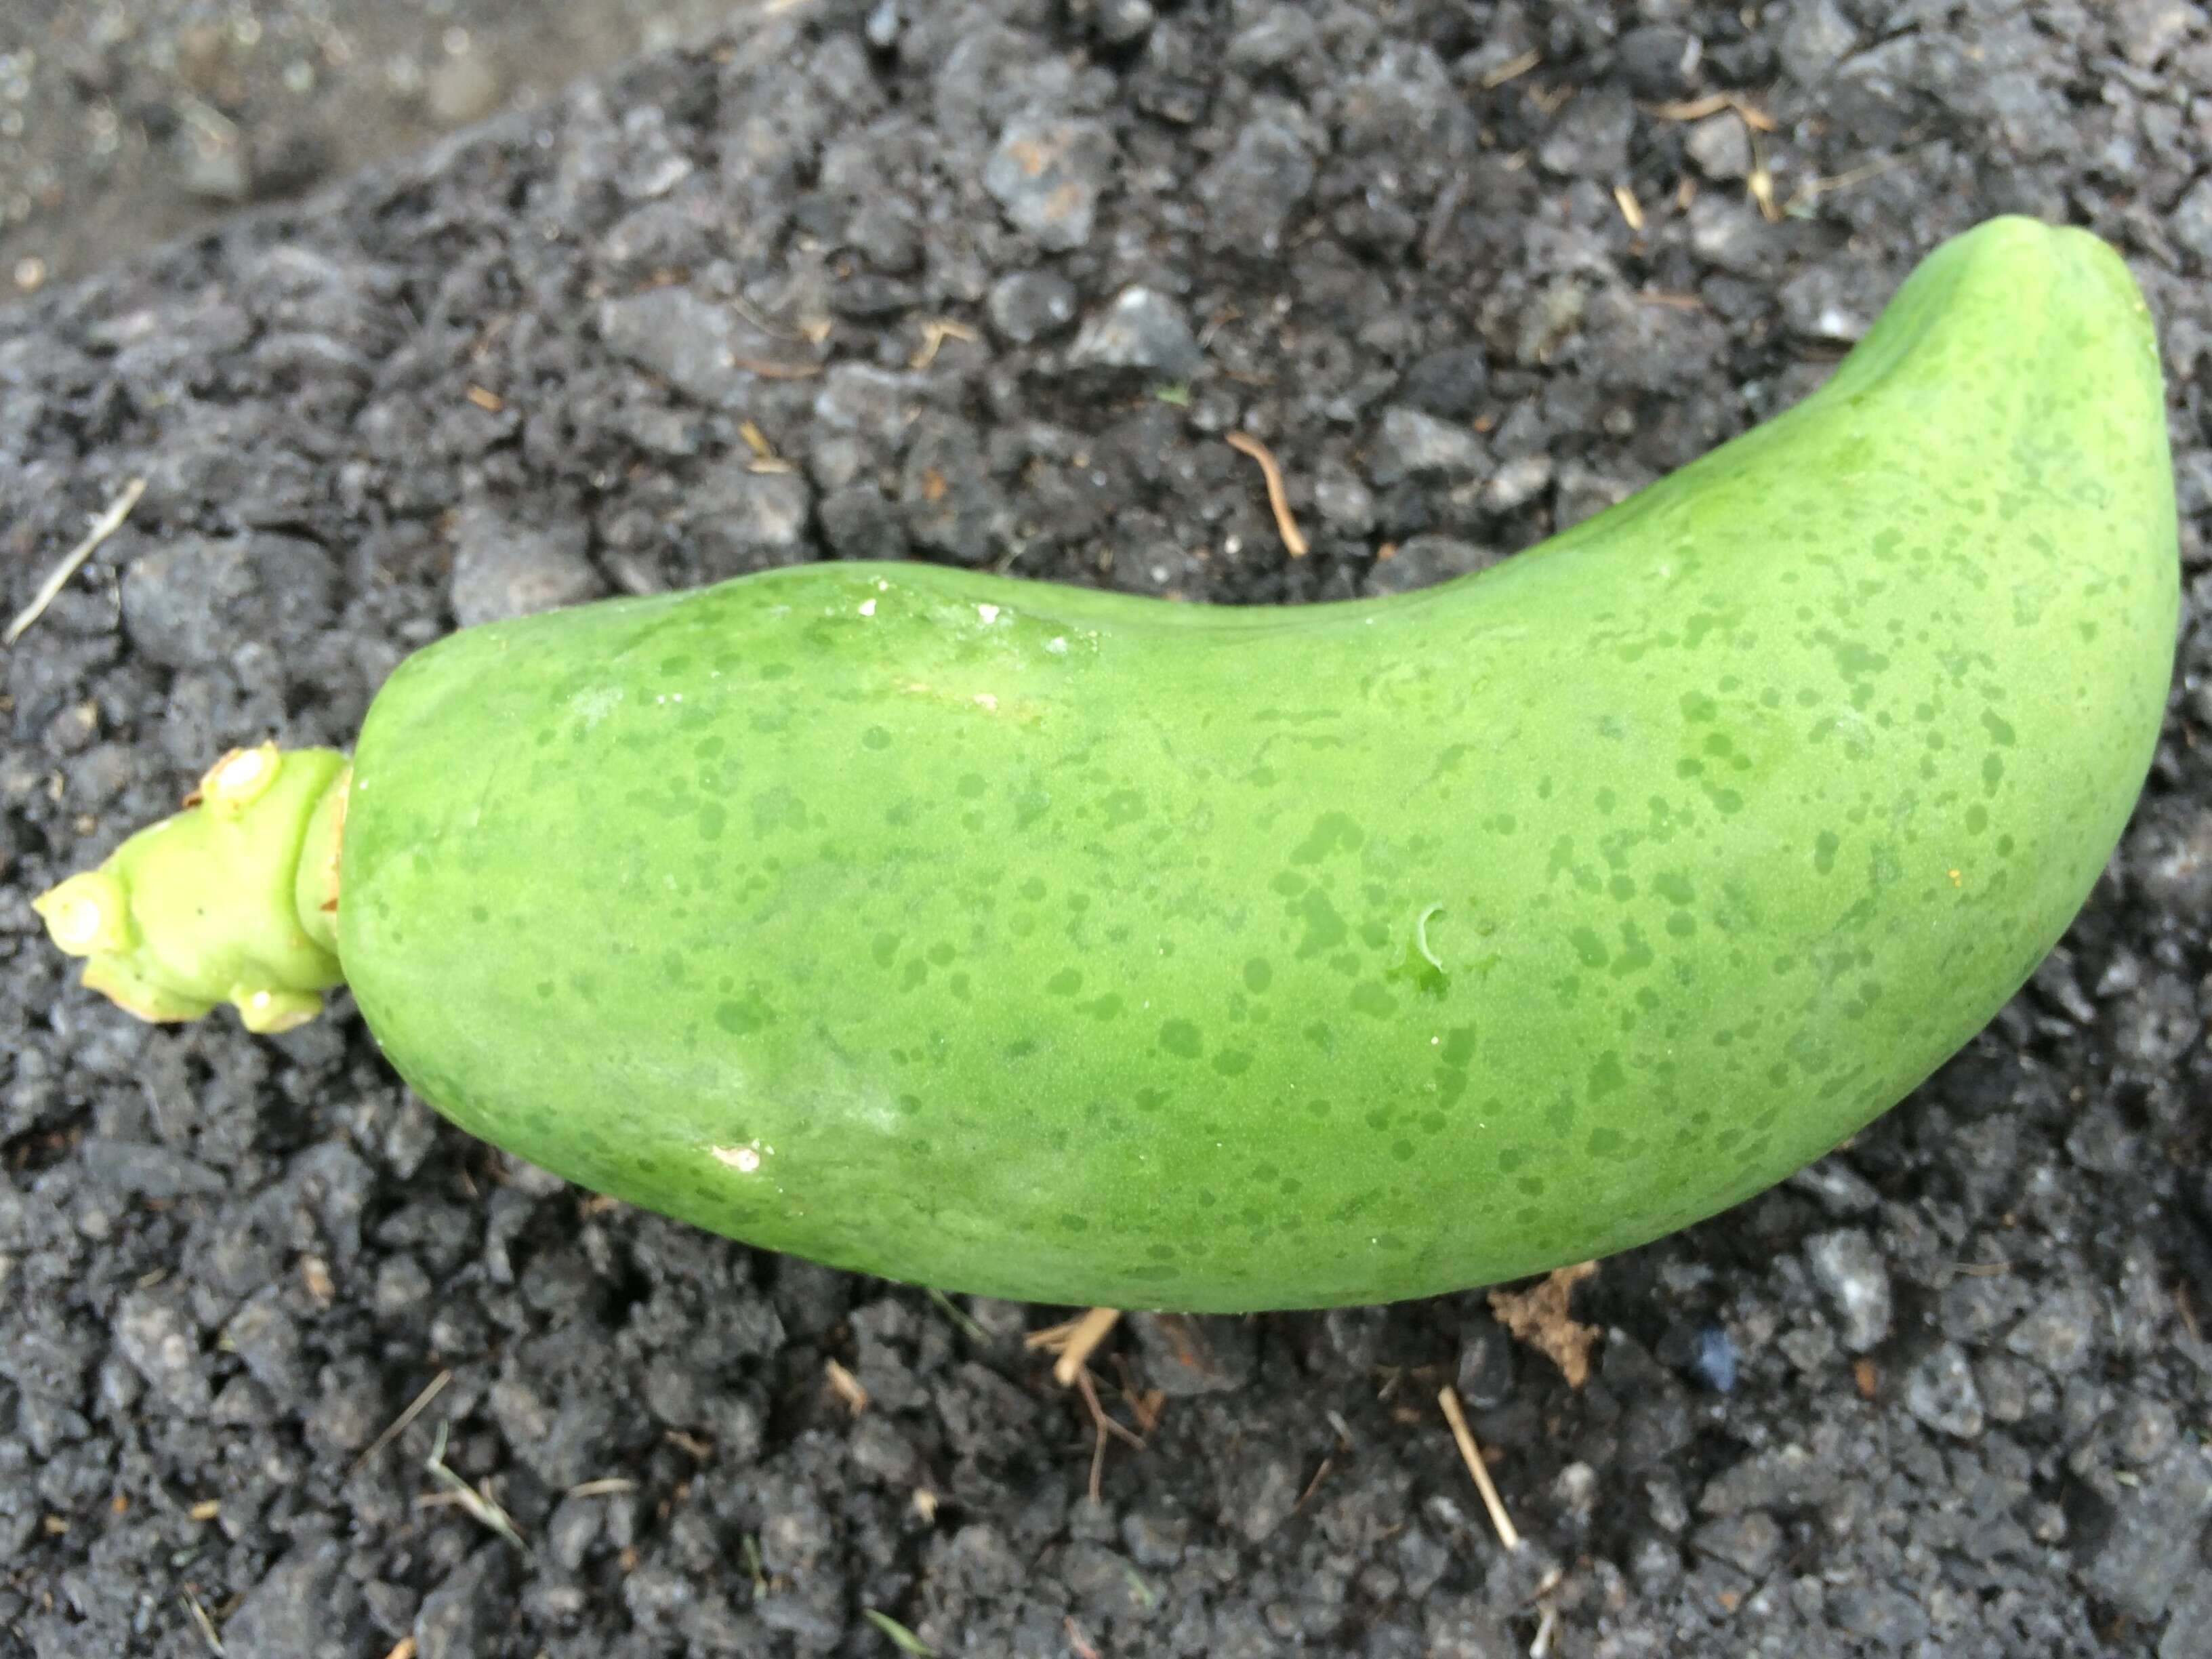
{"x": 1107, "y": 1423}
{"x": 748, "y": 1546}
{"x": 1806, "y": 192}
{"x": 398, "y": 1425}
{"x": 1511, "y": 70}
{"x": 966, "y": 1326}
{"x": 846, "y": 1386}
{"x": 1279, "y": 503}
{"x": 1471, "y": 1454}
{"x": 1314, "y": 1485}
{"x": 102, "y": 527}
{"x": 767, "y": 325}
{"x": 1074, "y": 1340}
{"x": 1631, "y": 210}
{"x": 1547, "y": 1626}
{"x": 605, "y": 1486}
{"x": 935, "y": 333}
{"x": 902, "y": 1639}
{"x": 1712, "y": 103}
{"x": 479, "y": 1505}
{"x": 1102, "y": 1424}
{"x": 207, "y": 1625}
{"x": 1145, "y": 1404}
{"x": 1761, "y": 182}
{"x": 768, "y": 369}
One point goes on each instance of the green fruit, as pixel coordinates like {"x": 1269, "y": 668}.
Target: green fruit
{"x": 1060, "y": 945}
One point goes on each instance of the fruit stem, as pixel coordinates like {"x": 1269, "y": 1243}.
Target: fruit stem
{"x": 234, "y": 899}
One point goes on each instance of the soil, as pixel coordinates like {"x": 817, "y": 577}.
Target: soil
{"x": 129, "y": 123}
{"x": 287, "y": 1362}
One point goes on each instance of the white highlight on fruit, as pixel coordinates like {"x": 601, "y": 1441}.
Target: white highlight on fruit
{"x": 985, "y": 700}
{"x": 75, "y": 922}
{"x": 867, "y": 607}
{"x": 1057, "y": 645}
{"x": 745, "y": 1159}
{"x": 593, "y": 706}
{"x": 989, "y": 613}
{"x": 242, "y": 771}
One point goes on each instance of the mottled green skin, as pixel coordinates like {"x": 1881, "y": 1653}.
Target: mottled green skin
{"x": 1075, "y": 952}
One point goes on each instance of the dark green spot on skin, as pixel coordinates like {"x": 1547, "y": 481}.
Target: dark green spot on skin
{"x": 1325, "y": 927}
{"x": 1332, "y": 833}
{"x": 1635, "y": 955}
{"x": 743, "y": 1018}
{"x": 1999, "y": 729}
{"x": 1825, "y": 847}
{"x": 875, "y": 737}
{"x": 1606, "y": 1076}
{"x": 1181, "y": 1038}
{"x": 1257, "y": 975}
{"x": 1372, "y": 1000}
{"x": 1064, "y": 983}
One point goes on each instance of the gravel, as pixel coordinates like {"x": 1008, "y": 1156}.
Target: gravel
{"x": 1943, "y": 1394}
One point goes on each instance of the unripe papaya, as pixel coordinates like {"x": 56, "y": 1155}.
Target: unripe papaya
{"x": 1057, "y": 945}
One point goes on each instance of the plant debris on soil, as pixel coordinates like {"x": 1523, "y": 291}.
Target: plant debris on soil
{"x": 995, "y": 284}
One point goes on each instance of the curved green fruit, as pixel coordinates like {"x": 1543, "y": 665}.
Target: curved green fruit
{"x": 1066, "y": 946}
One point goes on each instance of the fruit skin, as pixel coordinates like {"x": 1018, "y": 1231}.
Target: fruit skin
{"x": 1079, "y": 948}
